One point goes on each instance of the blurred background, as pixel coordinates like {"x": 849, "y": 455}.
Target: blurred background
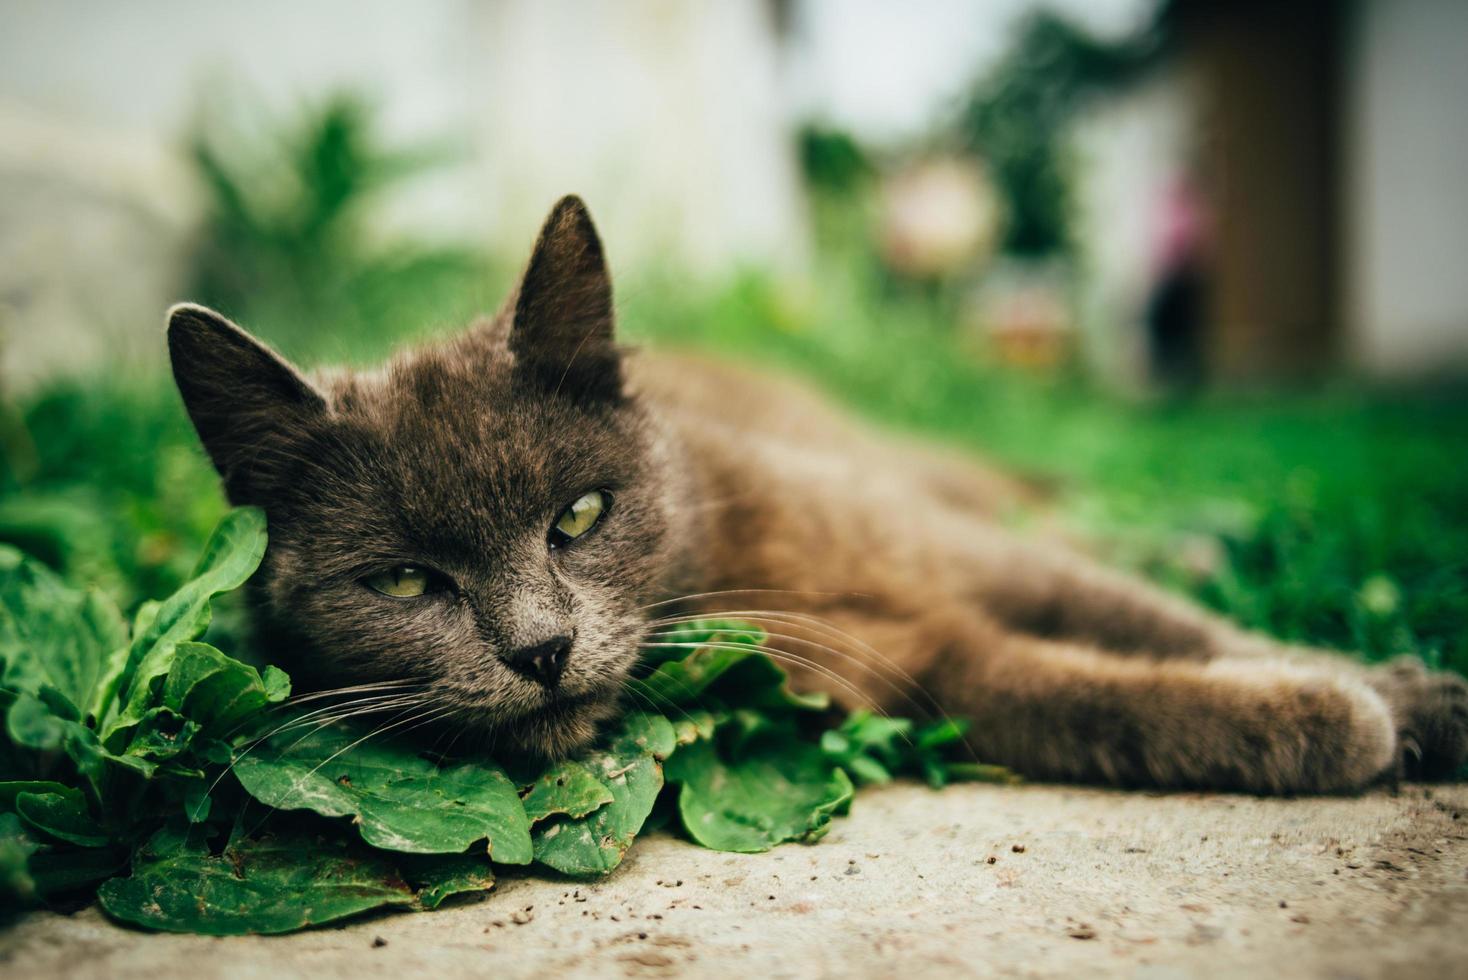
{"x": 1194, "y": 267}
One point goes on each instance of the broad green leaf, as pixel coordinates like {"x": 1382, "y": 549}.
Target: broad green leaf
{"x": 778, "y": 789}
{"x": 62, "y": 814}
{"x": 162, "y": 734}
{"x": 203, "y": 688}
{"x": 757, "y": 683}
{"x": 53, "y": 637}
{"x": 18, "y": 889}
{"x": 596, "y": 844}
{"x": 270, "y": 885}
{"x": 13, "y": 788}
{"x": 31, "y": 724}
{"x": 219, "y": 692}
{"x": 71, "y": 871}
{"x": 230, "y": 557}
{"x": 400, "y": 800}
{"x": 568, "y": 788}
{"x": 630, "y": 770}
{"x": 690, "y": 726}
{"x": 640, "y": 731}
{"x": 694, "y": 656}
{"x": 441, "y": 876}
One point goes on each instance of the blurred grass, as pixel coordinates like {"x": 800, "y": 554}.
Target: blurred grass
{"x": 1336, "y": 516}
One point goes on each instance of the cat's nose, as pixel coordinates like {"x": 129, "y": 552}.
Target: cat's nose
{"x": 543, "y": 661}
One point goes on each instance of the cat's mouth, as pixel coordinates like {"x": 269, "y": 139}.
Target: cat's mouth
{"x": 559, "y": 725}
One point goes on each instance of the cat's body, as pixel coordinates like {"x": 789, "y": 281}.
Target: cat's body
{"x": 875, "y": 566}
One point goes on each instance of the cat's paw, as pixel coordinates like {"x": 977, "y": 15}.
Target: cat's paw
{"x": 1430, "y": 710}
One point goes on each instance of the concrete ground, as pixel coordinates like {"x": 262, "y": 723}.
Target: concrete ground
{"x": 975, "y": 880}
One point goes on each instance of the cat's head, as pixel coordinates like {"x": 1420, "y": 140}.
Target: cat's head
{"x": 485, "y": 516}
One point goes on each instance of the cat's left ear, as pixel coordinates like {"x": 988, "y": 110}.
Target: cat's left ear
{"x": 561, "y": 334}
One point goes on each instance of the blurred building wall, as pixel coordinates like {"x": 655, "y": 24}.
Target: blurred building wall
{"x": 1332, "y": 143}
{"x": 1406, "y": 257}
{"x": 668, "y": 117}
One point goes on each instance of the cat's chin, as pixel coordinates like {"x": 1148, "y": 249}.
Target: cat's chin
{"x": 559, "y": 729}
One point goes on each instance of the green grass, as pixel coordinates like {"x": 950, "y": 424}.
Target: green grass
{"x": 1336, "y": 516}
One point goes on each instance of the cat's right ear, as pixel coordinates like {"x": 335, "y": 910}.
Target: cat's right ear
{"x": 247, "y": 403}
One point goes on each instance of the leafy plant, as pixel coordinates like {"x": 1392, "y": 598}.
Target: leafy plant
{"x": 1016, "y": 115}
{"x": 287, "y": 239}
{"x": 138, "y": 766}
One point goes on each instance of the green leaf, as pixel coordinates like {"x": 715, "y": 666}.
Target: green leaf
{"x": 10, "y": 790}
{"x": 18, "y": 888}
{"x": 29, "y": 723}
{"x": 440, "y": 876}
{"x": 219, "y": 692}
{"x": 230, "y": 557}
{"x": 715, "y": 664}
{"x": 690, "y": 665}
{"x": 596, "y": 844}
{"x": 778, "y": 789}
{"x": 400, "y": 800}
{"x": 162, "y": 734}
{"x": 62, "y": 814}
{"x": 73, "y": 871}
{"x": 53, "y": 637}
{"x": 690, "y": 726}
{"x": 274, "y": 884}
{"x": 568, "y": 788}
{"x": 212, "y": 691}
{"x": 630, "y": 771}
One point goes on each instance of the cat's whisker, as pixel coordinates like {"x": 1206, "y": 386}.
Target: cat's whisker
{"x": 354, "y": 689}
{"x": 422, "y": 718}
{"x": 849, "y": 658}
{"x": 783, "y": 656}
{"x": 386, "y": 698}
{"x": 911, "y": 688}
{"x": 651, "y": 699}
{"x": 717, "y": 593}
{"x": 816, "y": 624}
{"x": 379, "y": 705}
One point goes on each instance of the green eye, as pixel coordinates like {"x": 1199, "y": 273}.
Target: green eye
{"x": 580, "y": 517}
{"x": 403, "y": 582}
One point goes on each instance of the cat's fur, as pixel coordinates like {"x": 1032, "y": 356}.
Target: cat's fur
{"x": 875, "y": 565}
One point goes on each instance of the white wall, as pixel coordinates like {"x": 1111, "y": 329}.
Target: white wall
{"x": 1406, "y": 261}
{"x": 1125, "y": 151}
{"x": 669, "y": 117}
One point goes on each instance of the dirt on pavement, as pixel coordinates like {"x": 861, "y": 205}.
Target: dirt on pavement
{"x": 973, "y": 880}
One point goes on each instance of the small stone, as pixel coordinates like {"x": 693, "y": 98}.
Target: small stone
{"x": 1018, "y": 848}
{"x": 1082, "y": 931}
{"x": 991, "y": 859}
{"x": 378, "y": 942}
{"x": 521, "y": 916}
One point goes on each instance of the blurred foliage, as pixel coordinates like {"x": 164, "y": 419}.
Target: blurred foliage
{"x": 1015, "y": 116}
{"x": 287, "y": 239}
{"x": 831, "y": 160}
{"x": 1335, "y": 517}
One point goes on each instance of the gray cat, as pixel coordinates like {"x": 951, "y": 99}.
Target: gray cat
{"x": 489, "y": 528}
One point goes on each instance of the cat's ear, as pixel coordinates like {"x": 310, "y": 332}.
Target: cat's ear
{"x": 561, "y": 334}
{"x": 248, "y": 404}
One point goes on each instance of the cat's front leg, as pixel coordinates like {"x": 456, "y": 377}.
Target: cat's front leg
{"x": 1060, "y": 711}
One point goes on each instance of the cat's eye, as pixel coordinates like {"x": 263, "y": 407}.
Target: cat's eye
{"x": 580, "y": 517}
{"x": 402, "y": 582}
